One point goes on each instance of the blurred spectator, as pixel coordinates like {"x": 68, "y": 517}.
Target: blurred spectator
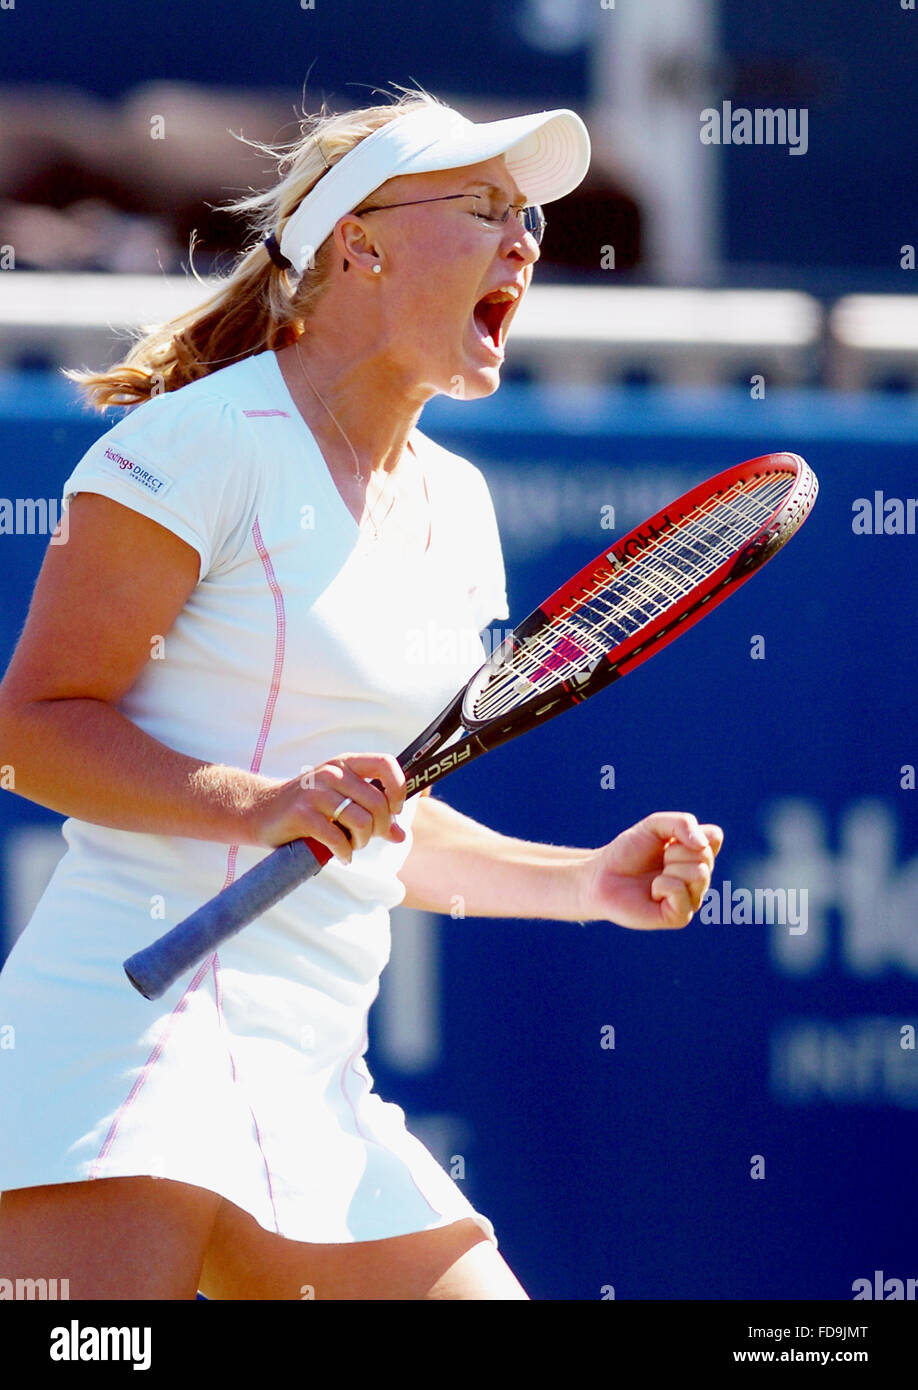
{"x": 87, "y": 185}
{"x": 88, "y": 235}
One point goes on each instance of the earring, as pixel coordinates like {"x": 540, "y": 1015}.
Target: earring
{"x": 377, "y": 270}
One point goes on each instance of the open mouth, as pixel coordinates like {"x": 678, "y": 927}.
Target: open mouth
{"x": 491, "y": 315}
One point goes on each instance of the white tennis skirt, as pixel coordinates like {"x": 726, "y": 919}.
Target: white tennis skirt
{"x": 247, "y": 1079}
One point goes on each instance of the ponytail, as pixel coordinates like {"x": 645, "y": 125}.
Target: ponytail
{"x": 258, "y": 306}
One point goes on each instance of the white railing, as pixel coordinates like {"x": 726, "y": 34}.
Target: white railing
{"x": 872, "y": 336}
{"x": 561, "y": 334}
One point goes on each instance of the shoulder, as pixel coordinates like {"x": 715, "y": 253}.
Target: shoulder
{"x": 438, "y": 457}
{"x": 466, "y": 500}
{"x": 218, "y": 402}
{"x": 189, "y": 449}
{"x": 203, "y": 430}
{"x": 449, "y": 471}
{"x": 189, "y": 459}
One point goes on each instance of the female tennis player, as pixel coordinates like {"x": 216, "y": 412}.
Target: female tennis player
{"x": 252, "y": 552}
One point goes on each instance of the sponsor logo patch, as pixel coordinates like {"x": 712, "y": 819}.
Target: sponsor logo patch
{"x": 157, "y": 483}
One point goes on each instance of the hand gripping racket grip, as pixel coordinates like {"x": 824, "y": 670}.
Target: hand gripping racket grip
{"x": 152, "y": 970}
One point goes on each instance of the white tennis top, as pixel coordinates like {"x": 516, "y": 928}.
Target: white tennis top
{"x": 304, "y": 638}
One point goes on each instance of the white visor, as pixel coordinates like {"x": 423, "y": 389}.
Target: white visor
{"x": 547, "y": 155}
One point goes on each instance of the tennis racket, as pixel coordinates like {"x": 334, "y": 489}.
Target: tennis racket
{"x": 628, "y": 603}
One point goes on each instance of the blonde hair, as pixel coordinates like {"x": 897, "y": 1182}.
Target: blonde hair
{"x": 257, "y": 306}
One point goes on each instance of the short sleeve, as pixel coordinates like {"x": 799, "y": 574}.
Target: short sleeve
{"x": 487, "y": 578}
{"x": 182, "y": 460}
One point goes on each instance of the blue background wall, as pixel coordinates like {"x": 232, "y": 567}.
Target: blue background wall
{"x": 849, "y": 203}
{"x": 631, "y": 1166}
{"x": 850, "y": 200}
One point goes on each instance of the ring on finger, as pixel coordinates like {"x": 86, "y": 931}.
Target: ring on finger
{"x": 338, "y": 809}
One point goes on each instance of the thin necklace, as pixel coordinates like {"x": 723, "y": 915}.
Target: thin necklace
{"x": 358, "y": 476}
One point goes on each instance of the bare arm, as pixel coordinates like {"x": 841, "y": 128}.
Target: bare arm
{"x": 119, "y": 581}
{"x": 460, "y": 867}
{"x": 652, "y": 875}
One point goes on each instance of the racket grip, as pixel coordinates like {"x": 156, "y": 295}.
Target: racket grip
{"x": 154, "y": 969}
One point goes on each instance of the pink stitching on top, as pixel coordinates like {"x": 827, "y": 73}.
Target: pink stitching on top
{"x": 147, "y": 1067}
{"x": 280, "y": 642}
{"x": 279, "y": 645}
{"x": 212, "y": 961}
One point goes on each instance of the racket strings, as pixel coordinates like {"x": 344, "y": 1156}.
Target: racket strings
{"x": 620, "y": 602}
{"x": 680, "y": 561}
{"x": 675, "y": 563}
